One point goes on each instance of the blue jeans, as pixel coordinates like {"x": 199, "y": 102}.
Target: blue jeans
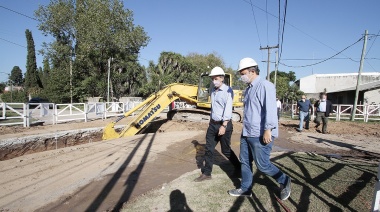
{"x": 304, "y": 116}
{"x": 253, "y": 149}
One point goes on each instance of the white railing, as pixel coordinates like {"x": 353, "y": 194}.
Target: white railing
{"x": 343, "y": 112}
{"x": 18, "y": 113}
{"x": 96, "y": 108}
{"x": 23, "y": 113}
{"x": 70, "y": 112}
{"x": 113, "y": 109}
{"x": 38, "y": 111}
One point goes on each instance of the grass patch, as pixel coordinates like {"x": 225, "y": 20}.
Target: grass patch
{"x": 319, "y": 184}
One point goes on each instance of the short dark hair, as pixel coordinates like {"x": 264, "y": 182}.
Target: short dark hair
{"x": 255, "y": 69}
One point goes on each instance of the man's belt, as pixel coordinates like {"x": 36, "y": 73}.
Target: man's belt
{"x": 216, "y": 122}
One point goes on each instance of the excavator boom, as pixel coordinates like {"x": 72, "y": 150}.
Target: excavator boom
{"x": 151, "y": 107}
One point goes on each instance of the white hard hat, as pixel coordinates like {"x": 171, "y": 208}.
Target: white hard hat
{"x": 246, "y": 63}
{"x": 217, "y": 71}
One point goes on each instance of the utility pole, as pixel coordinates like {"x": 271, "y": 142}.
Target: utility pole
{"x": 359, "y": 76}
{"x": 108, "y": 81}
{"x": 268, "y": 48}
{"x": 275, "y": 70}
{"x": 71, "y": 76}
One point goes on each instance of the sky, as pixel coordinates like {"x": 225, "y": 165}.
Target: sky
{"x": 314, "y": 31}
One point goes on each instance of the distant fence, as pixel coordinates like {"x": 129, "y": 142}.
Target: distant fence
{"x": 343, "y": 112}
{"x": 50, "y": 113}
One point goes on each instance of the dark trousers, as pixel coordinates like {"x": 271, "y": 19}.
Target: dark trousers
{"x": 212, "y": 139}
{"x": 278, "y": 113}
{"x": 325, "y": 120}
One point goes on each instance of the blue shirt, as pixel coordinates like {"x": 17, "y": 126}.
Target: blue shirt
{"x": 221, "y": 103}
{"x": 304, "y": 106}
{"x": 260, "y": 110}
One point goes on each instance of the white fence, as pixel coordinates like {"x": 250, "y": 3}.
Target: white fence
{"x": 50, "y": 113}
{"x": 343, "y": 112}
{"x": 14, "y": 113}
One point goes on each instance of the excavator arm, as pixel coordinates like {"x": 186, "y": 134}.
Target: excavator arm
{"x": 150, "y": 108}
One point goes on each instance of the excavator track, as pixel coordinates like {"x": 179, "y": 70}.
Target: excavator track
{"x": 197, "y": 115}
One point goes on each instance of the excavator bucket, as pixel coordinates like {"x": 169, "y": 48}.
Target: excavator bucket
{"x": 109, "y": 132}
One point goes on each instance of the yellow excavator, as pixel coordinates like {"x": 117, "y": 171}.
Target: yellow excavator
{"x": 198, "y": 96}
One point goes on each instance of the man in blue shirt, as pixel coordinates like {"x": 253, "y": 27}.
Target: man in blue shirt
{"x": 260, "y": 127}
{"x": 220, "y": 127}
{"x": 303, "y": 107}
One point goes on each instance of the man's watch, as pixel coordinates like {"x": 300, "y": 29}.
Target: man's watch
{"x": 225, "y": 126}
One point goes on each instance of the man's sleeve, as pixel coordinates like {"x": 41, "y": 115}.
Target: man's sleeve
{"x": 227, "y": 115}
{"x": 268, "y": 96}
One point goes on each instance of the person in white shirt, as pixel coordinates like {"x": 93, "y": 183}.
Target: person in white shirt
{"x": 279, "y": 107}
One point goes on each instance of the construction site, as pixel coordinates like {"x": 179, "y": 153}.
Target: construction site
{"x": 114, "y": 105}
{"x": 67, "y": 166}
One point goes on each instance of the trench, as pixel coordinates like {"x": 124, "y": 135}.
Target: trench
{"x": 15, "y": 147}
{"x": 18, "y": 146}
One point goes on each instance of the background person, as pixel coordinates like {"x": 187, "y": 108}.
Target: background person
{"x": 220, "y": 127}
{"x": 303, "y": 107}
{"x": 279, "y": 107}
{"x": 323, "y": 108}
{"x": 260, "y": 127}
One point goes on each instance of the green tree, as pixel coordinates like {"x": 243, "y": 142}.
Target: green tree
{"x": 2, "y": 86}
{"x": 284, "y": 89}
{"x": 32, "y": 81}
{"x": 89, "y": 32}
{"x": 16, "y": 76}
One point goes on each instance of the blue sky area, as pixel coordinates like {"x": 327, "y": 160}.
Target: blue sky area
{"x": 313, "y": 30}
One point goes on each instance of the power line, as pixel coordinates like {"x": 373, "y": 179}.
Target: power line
{"x": 283, "y": 29}
{"x": 335, "y": 58}
{"x": 279, "y": 22}
{"x": 12, "y": 42}
{"x": 253, "y": 13}
{"x": 252, "y": 5}
{"x": 324, "y": 59}
{"x": 372, "y": 43}
{"x": 266, "y": 10}
{"x": 18, "y": 13}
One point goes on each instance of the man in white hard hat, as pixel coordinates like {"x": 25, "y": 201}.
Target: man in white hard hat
{"x": 260, "y": 127}
{"x": 220, "y": 127}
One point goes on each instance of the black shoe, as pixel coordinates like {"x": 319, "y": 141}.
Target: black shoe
{"x": 239, "y": 193}
{"x": 299, "y": 130}
{"x": 202, "y": 177}
{"x": 306, "y": 128}
{"x": 286, "y": 189}
{"x": 317, "y": 125}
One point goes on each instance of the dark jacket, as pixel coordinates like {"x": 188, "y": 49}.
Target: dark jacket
{"x": 329, "y": 107}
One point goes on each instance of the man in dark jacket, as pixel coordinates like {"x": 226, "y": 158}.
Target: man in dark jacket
{"x": 323, "y": 108}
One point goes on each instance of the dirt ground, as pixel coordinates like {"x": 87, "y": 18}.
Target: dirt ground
{"x": 101, "y": 176}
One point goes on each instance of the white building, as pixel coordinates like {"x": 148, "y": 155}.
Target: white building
{"x": 341, "y": 87}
